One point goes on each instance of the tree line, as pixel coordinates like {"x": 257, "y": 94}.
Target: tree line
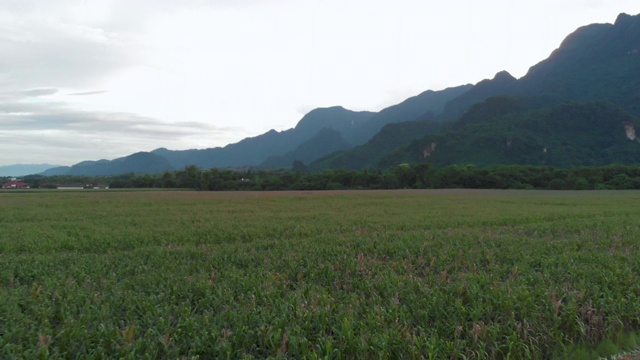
{"x": 419, "y": 176}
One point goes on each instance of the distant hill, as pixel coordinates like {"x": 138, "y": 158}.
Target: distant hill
{"x": 347, "y": 123}
{"x": 425, "y": 106}
{"x": 141, "y": 163}
{"x": 24, "y": 169}
{"x": 326, "y": 141}
{"x": 500, "y": 84}
{"x": 388, "y": 139}
{"x": 255, "y": 150}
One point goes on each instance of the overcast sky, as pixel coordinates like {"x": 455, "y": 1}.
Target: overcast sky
{"x": 93, "y": 79}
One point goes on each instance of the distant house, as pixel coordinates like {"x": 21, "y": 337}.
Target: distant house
{"x": 15, "y": 185}
{"x": 70, "y": 187}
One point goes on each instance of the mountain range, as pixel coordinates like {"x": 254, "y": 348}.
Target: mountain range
{"x": 577, "y": 107}
{"x": 24, "y": 169}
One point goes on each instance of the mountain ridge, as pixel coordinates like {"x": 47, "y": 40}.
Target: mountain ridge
{"x": 254, "y": 151}
{"x": 595, "y": 64}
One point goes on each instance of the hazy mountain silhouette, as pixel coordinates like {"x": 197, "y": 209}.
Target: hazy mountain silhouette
{"x": 24, "y": 169}
{"x": 326, "y": 141}
{"x": 141, "y": 162}
{"x": 255, "y": 150}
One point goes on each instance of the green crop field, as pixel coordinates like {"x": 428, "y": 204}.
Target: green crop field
{"x": 434, "y": 274}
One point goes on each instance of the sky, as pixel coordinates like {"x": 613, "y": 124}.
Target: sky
{"x": 101, "y": 79}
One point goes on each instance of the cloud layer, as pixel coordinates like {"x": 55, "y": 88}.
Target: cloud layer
{"x": 52, "y": 132}
{"x": 53, "y": 52}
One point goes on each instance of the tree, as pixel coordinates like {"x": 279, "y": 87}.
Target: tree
{"x": 191, "y": 177}
{"x": 405, "y": 175}
{"x": 168, "y": 180}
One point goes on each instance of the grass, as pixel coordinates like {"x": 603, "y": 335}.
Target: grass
{"x": 388, "y": 274}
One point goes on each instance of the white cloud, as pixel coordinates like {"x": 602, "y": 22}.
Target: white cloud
{"x": 40, "y": 92}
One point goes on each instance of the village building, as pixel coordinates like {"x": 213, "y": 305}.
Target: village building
{"x": 15, "y": 185}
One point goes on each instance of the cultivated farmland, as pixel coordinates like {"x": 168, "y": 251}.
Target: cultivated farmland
{"x": 389, "y": 274}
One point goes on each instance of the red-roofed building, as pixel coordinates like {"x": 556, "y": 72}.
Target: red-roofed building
{"x": 15, "y": 185}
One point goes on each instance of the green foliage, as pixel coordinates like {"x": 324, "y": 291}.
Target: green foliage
{"x": 504, "y": 130}
{"x": 419, "y": 176}
{"x": 389, "y": 138}
{"x": 415, "y": 274}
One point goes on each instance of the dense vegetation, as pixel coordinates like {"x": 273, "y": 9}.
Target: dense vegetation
{"x": 368, "y": 155}
{"x": 420, "y": 176}
{"x": 404, "y": 274}
{"x": 503, "y": 130}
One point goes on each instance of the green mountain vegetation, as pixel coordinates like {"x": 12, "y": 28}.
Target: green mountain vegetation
{"x": 425, "y": 106}
{"x": 502, "y": 131}
{"x": 480, "y": 92}
{"x": 598, "y": 62}
{"x": 367, "y": 155}
{"x": 403, "y": 176}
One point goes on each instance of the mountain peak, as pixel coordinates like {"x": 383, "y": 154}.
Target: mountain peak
{"x": 503, "y": 75}
{"x": 623, "y": 18}
{"x": 334, "y": 108}
{"x": 323, "y": 111}
{"x": 336, "y": 117}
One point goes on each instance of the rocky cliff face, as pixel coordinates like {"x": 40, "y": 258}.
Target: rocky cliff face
{"x": 630, "y": 131}
{"x": 427, "y": 151}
